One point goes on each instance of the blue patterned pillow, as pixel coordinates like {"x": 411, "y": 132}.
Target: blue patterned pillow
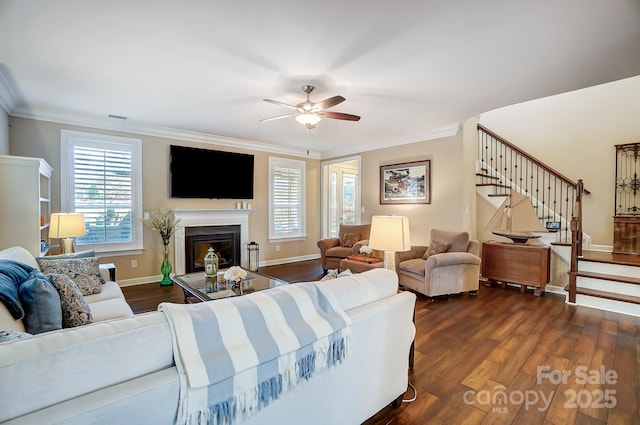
{"x": 75, "y": 310}
{"x": 85, "y": 272}
{"x": 41, "y": 304}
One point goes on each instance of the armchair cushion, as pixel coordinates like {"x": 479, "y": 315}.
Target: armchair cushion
{"x": 350, "y": 239}
{"x": 458, "y": 241}
{"x": 339, "y": 251}
{"x": 414, "y": 266}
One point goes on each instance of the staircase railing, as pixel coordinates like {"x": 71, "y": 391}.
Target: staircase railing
{"x": 555, "y": 197}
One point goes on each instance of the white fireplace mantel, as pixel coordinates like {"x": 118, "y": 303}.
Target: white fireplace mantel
{"x": 197, "y": 218}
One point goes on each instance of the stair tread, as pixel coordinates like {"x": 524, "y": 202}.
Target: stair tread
{"x": 492, "y": 185}
{"x": 614, "y": 278}
{"x": 611, "y": 258}
{"x": 608, "y": 295}
{"x": 487, "y": 176}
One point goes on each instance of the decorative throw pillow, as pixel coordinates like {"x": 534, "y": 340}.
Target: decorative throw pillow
{"x": 41, "y": 302}
{"x": 350, "y": 239}
{"x": 330, "y": 276}
{"x": 75, "y": 310}
{"x": 81, "y": 254}
{"x": 435, "y": 247}
{"x": 85, "y": 272}
{"x": 458, "y": 241}
{"x": 347, "y": 272}
{"x": 6, "y": 336}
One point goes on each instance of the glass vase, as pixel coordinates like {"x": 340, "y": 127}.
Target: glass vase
{"x": 166, "y": 268}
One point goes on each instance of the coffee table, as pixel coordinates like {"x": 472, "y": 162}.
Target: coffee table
{"x": 198, "y": 288}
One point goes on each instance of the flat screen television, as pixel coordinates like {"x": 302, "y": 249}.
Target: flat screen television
{"x": 211, "y": 174}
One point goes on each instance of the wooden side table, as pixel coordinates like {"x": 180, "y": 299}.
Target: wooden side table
{"x": 357, "y": 263}
{"x": 527, "y": 265}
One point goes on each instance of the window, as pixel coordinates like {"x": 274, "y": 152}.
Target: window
{"x": 101, "y": 178}
{"x": 287, "y": 198}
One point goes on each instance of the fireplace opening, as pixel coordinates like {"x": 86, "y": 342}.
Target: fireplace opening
{"x": 225, "y": 240}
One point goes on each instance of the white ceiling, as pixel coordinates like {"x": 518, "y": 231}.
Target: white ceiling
{"x": 412, "y": 70}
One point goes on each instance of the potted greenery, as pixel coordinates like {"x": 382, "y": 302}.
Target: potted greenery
{"x": 164, "y": 222}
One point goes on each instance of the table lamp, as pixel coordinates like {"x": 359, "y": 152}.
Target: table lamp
{"x": 390, "y": 233}
{"x": 67, "y": 226}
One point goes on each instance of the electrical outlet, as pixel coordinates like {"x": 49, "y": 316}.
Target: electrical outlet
{"x": 277, "y": 248}
{"x": 134, "y": 264}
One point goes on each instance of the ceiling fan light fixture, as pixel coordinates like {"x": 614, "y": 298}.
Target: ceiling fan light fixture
{"x": 309, "y": 119}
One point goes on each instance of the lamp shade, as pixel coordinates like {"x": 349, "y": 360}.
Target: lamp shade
{"x": 66, "y": 225}
{"x": 390, "y": 233}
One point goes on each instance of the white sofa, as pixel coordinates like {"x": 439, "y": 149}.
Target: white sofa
{"x": 108, "y": 304}
{"x": 123, "y": 371}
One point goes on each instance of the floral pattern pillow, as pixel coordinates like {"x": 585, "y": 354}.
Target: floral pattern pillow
{"x": 75, "y": 310}
{"x": 85, "y": 272}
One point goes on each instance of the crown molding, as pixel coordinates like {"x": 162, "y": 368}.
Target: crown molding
{"x": 132, "y": 127}
{"x": 126, "y": 126}
{"x": 438, "y": 133}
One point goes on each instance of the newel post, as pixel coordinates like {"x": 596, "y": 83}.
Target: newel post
{"x": 573, "y": 270}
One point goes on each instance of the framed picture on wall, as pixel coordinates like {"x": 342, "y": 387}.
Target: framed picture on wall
{"x": 406, "y": 183}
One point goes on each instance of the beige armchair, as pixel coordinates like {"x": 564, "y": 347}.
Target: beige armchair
{"x": 350, "y": 239}
{"x": 452, "y": 266}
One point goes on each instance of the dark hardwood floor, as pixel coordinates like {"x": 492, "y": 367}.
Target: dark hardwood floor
{"x": 501, "y": 357}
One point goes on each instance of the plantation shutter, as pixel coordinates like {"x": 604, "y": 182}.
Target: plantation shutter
{"x": 287, "y": 198}
{"x": 103, "y": 193}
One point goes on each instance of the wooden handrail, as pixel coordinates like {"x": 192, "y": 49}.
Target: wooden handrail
{"x": 530, "y": 158}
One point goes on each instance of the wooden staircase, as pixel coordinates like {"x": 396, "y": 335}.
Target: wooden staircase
{"x": 608, "y": 281}
{"x": 597, "y": 279}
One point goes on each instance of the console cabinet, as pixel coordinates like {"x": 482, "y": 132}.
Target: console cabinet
{"x": 526, "y": 265}
{"x": 626, "y": 235}
{"x": 25, "y": 202}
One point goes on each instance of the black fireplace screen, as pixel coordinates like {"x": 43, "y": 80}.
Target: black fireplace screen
{"x": 225, "y": 240}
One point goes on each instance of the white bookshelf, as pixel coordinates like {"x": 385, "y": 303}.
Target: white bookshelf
{"x": 25, "y": 202}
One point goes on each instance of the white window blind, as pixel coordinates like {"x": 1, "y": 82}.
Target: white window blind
{"x": 102, "y": 182}
{"x": 286, "y": 198}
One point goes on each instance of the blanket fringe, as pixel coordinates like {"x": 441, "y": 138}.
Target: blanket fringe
{"x": 249, "y": 402}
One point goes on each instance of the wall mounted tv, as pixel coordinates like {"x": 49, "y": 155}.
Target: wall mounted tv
{"x": 205, "y": 173}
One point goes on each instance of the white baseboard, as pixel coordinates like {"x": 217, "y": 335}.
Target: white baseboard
{"x": 289, "y": 260}
{"x": 139, "y": 280}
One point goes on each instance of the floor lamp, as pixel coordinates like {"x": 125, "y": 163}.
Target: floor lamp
{"x": 67, "y": 226}
{"x": 390, "y": 233}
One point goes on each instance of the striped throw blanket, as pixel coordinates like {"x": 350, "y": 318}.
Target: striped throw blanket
{"x": 235, "y": 356}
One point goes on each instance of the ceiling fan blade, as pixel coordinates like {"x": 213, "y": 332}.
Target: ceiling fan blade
{"x": 328, "y": 103}
{"x": 340, "y": 116}
{"x": 276, "y": 118}
{"x": 275, "y": 102}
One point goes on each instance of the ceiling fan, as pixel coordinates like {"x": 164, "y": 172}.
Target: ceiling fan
{"x": 309, "y": 114}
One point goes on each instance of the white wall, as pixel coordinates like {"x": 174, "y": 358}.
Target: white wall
{"x": 4, "y": 133}
{"x": 449, "y": 206}
{"x": 575, "y": 134}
